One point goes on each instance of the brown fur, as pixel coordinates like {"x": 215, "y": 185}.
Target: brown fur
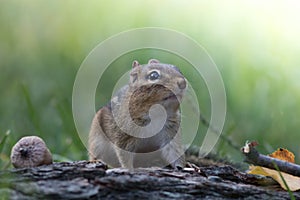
{"x": 106, "y": 138}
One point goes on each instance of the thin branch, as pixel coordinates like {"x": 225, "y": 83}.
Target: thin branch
{"x": 210, "y": 126}
{"x": 255, "y": 158}
{"x": 206, "y": 123}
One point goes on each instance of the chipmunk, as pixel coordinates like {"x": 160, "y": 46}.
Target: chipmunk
{"x": 130, "y": 131}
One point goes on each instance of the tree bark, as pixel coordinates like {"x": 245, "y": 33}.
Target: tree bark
{"x": 92, "y": 180}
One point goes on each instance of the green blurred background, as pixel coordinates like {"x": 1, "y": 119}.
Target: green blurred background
{"x": 256, "y": 46}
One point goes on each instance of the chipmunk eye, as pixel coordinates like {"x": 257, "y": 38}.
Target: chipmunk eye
{"x": 153, "y": 75}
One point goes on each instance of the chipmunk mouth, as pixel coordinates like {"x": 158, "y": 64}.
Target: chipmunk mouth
{"x": 172, "y": 97}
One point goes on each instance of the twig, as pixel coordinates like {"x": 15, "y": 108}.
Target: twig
{"x": 255, "y": 158}
{"x": 206, "y": 123}
{"x": 210, "y": 126}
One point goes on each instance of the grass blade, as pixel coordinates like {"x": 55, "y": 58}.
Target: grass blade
{"x": 2, "y": 142}
{"x": 31, "y": 108}
{"x": 285, "y": 183}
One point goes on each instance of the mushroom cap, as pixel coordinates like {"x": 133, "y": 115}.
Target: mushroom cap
{"x": 30, "y": 151}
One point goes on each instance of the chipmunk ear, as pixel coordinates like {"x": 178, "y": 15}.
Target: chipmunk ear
{"x": 134, "y": 72}
{"x": 152, "y": 61}
{"x": 135, "y": 64}
{"x": 133, "y": 77}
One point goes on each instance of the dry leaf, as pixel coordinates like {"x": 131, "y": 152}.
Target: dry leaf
{"x": 283, "y": 154}
{"x": 292, "y": 181}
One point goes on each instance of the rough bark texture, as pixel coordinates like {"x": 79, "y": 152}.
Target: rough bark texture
{"x": 92, "y": 180}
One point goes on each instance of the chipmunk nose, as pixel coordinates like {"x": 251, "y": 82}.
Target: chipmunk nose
{"x": 181, "y": 83}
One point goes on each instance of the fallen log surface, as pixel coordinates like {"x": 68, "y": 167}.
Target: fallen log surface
{"x": 92, "y": 180}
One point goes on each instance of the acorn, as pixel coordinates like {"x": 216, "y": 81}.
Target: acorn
{"x": 30, "y": 151}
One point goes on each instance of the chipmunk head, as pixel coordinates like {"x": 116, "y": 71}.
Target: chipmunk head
{"x": 157, "y": 82}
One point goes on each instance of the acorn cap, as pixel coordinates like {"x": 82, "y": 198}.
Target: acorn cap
{"x": 30, "y": 151}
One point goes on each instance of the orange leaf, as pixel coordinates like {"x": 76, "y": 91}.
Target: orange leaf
{"x": 283, "y": 154}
